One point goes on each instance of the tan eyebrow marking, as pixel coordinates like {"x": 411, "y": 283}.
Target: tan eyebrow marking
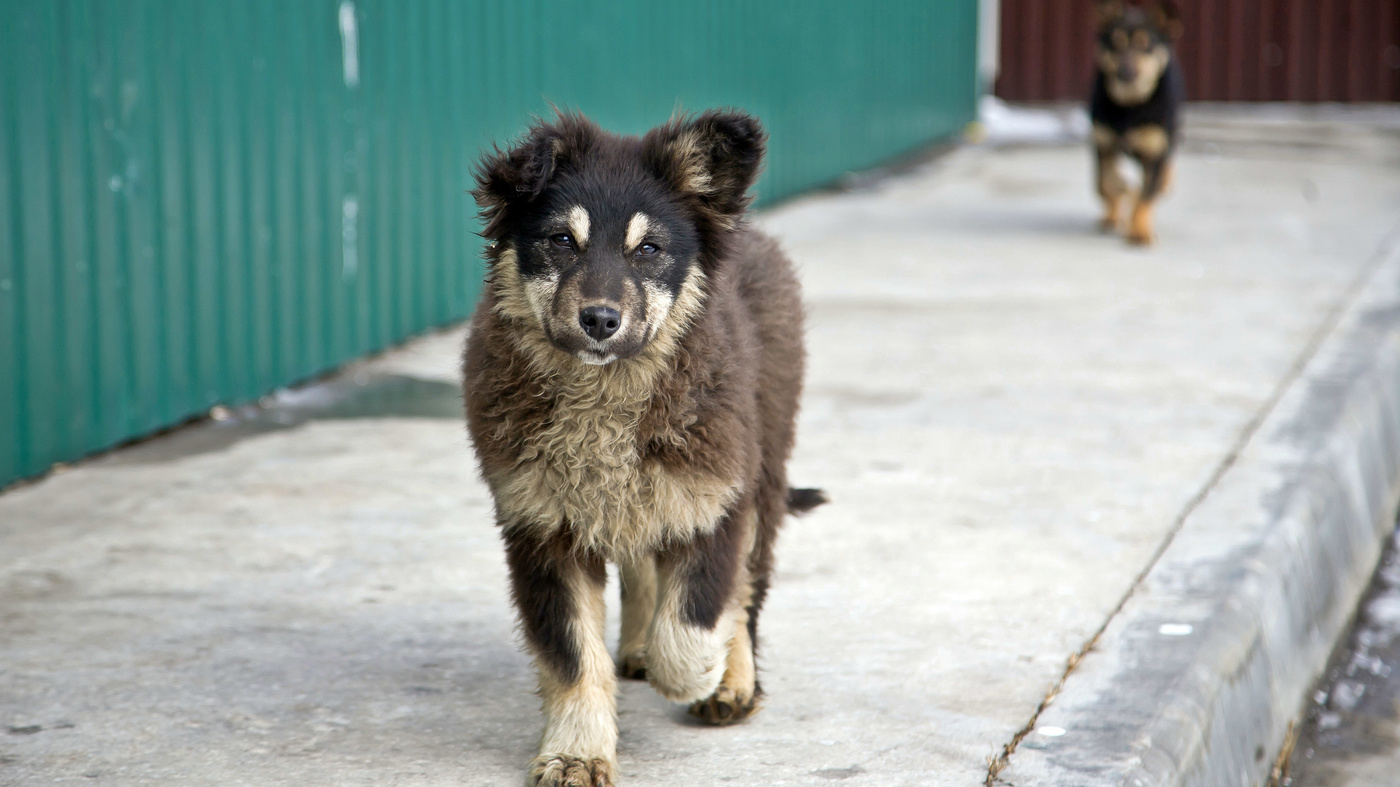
{"x": 578, "y": 225}
{"x": 637, "y": 228}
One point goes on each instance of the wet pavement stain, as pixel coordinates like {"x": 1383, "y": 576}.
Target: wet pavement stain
{"x": 373, "y": 396}
{"x": 1351, "y": 732}
{"x": 343, "y": 397}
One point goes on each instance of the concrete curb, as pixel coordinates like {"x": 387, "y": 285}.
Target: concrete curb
{"x": 1197, "y": 677}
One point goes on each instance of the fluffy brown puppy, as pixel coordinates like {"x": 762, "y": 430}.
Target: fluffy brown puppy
{"x": 632, "y": 380}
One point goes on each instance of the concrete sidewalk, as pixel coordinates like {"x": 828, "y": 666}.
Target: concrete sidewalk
{"x": 1012, "y": 414}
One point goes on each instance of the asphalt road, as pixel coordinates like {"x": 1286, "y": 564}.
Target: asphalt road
{"x": 1351, "y": 733}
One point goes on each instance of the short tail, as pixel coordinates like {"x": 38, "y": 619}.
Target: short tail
{"x": 800, "y": 501}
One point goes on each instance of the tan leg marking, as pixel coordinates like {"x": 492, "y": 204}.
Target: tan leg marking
{"x": 1112, "y": 190}
{"x": 1112, "y": 213}
{"x": 579, "y": 746}
{"x": 736, "y": 699}
{"x": 638, "y": 606}
{"x": 1140, "y": 225}
{"x": 1140, "y": 232}
{"x": 684, "y": 662}
{"x": 1111, "y": 186}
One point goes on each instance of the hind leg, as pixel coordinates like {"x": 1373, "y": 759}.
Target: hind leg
{"x": 638, "y": 605}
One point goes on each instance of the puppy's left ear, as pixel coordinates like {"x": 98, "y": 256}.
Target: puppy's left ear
{"x": 711, "y": 159}
{"x": 1168, "y": 19}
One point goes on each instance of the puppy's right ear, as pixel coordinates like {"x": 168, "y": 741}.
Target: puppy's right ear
{"x": 1108, "y": 12}
{"x": 507, "y": 180}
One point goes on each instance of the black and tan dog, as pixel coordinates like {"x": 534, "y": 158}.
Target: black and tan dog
{"x": 632, "y": 380}
{"x": 1138, "y": 90}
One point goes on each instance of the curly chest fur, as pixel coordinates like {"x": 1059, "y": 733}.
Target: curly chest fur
{"x": 585, "y": 465}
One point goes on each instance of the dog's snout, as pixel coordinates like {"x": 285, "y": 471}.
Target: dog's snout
{"x": 1127, "y": 73}
{"x": 600, "y": 322}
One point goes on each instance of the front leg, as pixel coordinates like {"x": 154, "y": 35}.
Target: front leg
{"x": 1151, "y": 145}
{"x": 1111, "y": 186}
{"x": 1156, "y": 175}
{"x": 558, "y": 593}
{"x": 736, "y": 697}
{"x": 696, "y": 610}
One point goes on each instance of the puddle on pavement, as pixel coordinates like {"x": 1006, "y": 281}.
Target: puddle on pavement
{"x": 360, "y": 395}
{"x": 1352, "y": 725}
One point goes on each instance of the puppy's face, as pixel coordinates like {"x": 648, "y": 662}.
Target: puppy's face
{"x": 602, "y": 258}
{"x": 1134, "y": 49}
{"x": 603, "y": 241}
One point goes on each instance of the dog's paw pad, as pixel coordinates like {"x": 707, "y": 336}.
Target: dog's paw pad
{"x": 633, "y": 666}
{"x": 563, "y": 770}
{"x": 723, "y": 707}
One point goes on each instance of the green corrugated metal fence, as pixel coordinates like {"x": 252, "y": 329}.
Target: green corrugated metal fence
{"x": 203, "y": 200}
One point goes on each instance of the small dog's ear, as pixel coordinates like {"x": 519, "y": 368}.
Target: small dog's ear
{"x": 1108, "y": 12}
{"x": 713, "y": 159}
{"x": 1167, "y": 17}
{"x": 506, "y": 179}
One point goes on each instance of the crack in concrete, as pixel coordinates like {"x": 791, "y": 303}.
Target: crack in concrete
{"x": 1389, "y": 244}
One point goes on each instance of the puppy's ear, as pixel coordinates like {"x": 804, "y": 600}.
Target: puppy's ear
{"x": 711, "y": 159}
{"x": 1167, "y": 17}
{"x": 508, "y": 179}
{"x": 1108, "y": 12}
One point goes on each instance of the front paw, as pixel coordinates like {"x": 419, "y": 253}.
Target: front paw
{"x": 684, "y": 682}
{"x": 685, "y": 662}
{"x": 632, "y": 665}
{"x": 566, "y": 770}
{"x": 726, "y": 706}
{"x": 1140, "y": 226}
{"x": 1141, "y": 236}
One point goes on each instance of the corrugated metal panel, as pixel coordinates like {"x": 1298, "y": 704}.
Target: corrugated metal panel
{"x": 202, "y": 200}
{"x": 1233, "y": 50}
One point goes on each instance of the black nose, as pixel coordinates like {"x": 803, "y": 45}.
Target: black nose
{"x": 1127, "y": 74}
{"x": 600, "y": 322}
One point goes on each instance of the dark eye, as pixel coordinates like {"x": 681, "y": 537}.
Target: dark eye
{"x": 563, "y": 240}
{"x": 647, "y": 249}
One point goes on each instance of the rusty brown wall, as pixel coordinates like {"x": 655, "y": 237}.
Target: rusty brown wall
{"x": 1233, "y": 50}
